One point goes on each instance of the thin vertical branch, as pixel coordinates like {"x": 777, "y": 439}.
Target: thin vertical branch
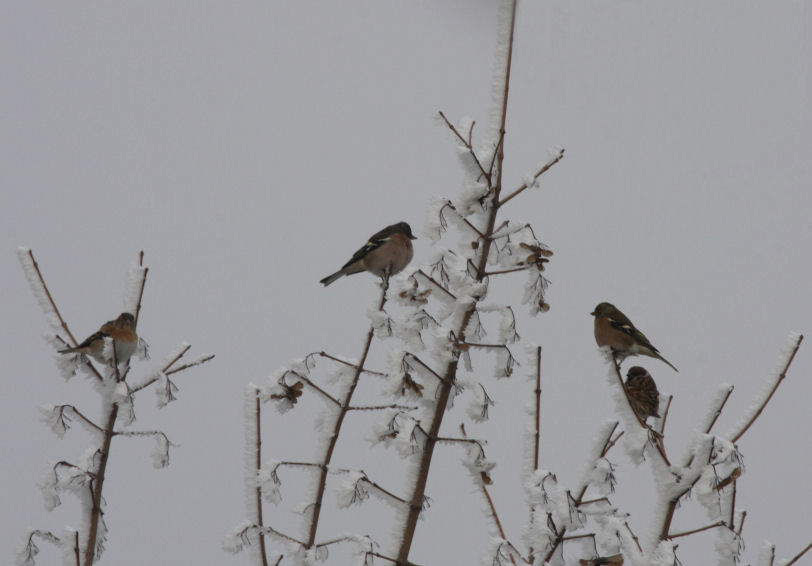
{"x": 502, "y": 131}
{"x": 342, "y": 412}
{"x": 76, "y": 553}
{"x": 98, "y": 485}
{"x": 258, "y": 431}
{"x": 537, "y": 391}
{"x": 731, "y": 523}
{"x": 416, "y": 503}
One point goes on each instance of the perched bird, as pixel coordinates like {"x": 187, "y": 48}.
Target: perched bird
{"x": 642, "y": 393}
{"x": 613, "y": 329}
{"x": 121, "y": 330}
{"x": 385, "y": 254}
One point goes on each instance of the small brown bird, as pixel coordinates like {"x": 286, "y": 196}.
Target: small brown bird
{"x": 642, "y": 392}
{"x": 386, "y": 253}
{"x": 121, "y": 330}
{"x": 613, "y": 329}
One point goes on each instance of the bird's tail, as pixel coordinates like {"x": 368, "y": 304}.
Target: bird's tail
{"x": 659, "y": 357}
{"x": 330, "y": 278}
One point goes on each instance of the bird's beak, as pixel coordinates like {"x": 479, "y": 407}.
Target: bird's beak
{"x": 412, "y": 237}
{"x": 592, "y": 313}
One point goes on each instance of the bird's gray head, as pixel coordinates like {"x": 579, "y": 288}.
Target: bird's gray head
{"x": 403, "y": 228}
{"x": 126, "y": 318}
{"x": 603, "y": 309}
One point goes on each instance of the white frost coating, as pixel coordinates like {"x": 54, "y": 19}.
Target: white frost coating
{"x": 706, "y": 492}
{"x": 766, "y": 556}
{"x": 774, "y": 377}
{"x": 136, "y": 275}
{"x": 58, "y": 419}
{"x": 245, "y": 533}
{"x": 722, "y": 393}
{"x": 504, "y": 362}
{"x": 478, "y": 408}
{"x": 269, "y": 483}
{"x": 406, "y": 441}
{"x": 142, "y": 349}
{"x": 602, "y": 476}
{"x": 238, "y": 537}
{"x": 250, "y": 450}
{"x": 507, "y": 327}
{"x": 49, "y": 487}
{"x": 664, "y": 554}
{"x": 608, "y": 537}
{"x": 303, "y": 365}
{"x": 534, "y": 291}
{"x": 500, "y": 551}
{"x": 491, "y": 138}
{"x": 728, "y": 547}
{"x": 601, "y": 440}
{"x": 435, "y": 224}
{"x": 363, "y": 544}
{"x": 165, "y": 390}
{"x": 122, "y": 397}
{"x": 352, "y": 489}
{"x": 380, "y": 322}
{"x": 477, "y": 465}
{"x": 160, "y": 455}
{"x": 544, "y": 491}
{"x": 40, "y": 294}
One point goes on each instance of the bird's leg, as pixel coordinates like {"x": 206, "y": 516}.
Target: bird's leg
{"x": 385, "y": 276}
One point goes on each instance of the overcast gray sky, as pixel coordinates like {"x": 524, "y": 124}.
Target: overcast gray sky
{"x": 249, "y": 148}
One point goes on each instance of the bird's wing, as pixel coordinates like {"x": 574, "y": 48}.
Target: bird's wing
{"x": 374, "y": 243}
{"x": 99, "y": 335}
{"x": 620, "y": 322}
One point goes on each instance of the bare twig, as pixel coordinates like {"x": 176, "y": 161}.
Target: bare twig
{"x": 382, "y": 407}
{"x": 197, "y": 362}
{"x": 466, "y": 143}
{"x": 78, "y": 413}
{"x": 167, "y": 371}
{"x": 317, "y": 388}
{"x": 661, "y": 429}
{"x": 435, "y": 283}
{"x": 798, "y": 556}
{"x": 538, "y": 174}
{"x": 143, "y": 284}
{"x": 349, "y": 364}
{"x": 741, "y": 523}
{"x": 699, "y": 530}
{"x": 634, "y": 537}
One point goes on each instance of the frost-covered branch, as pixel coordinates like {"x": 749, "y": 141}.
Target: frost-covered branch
{"x": 772, "y": 385}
